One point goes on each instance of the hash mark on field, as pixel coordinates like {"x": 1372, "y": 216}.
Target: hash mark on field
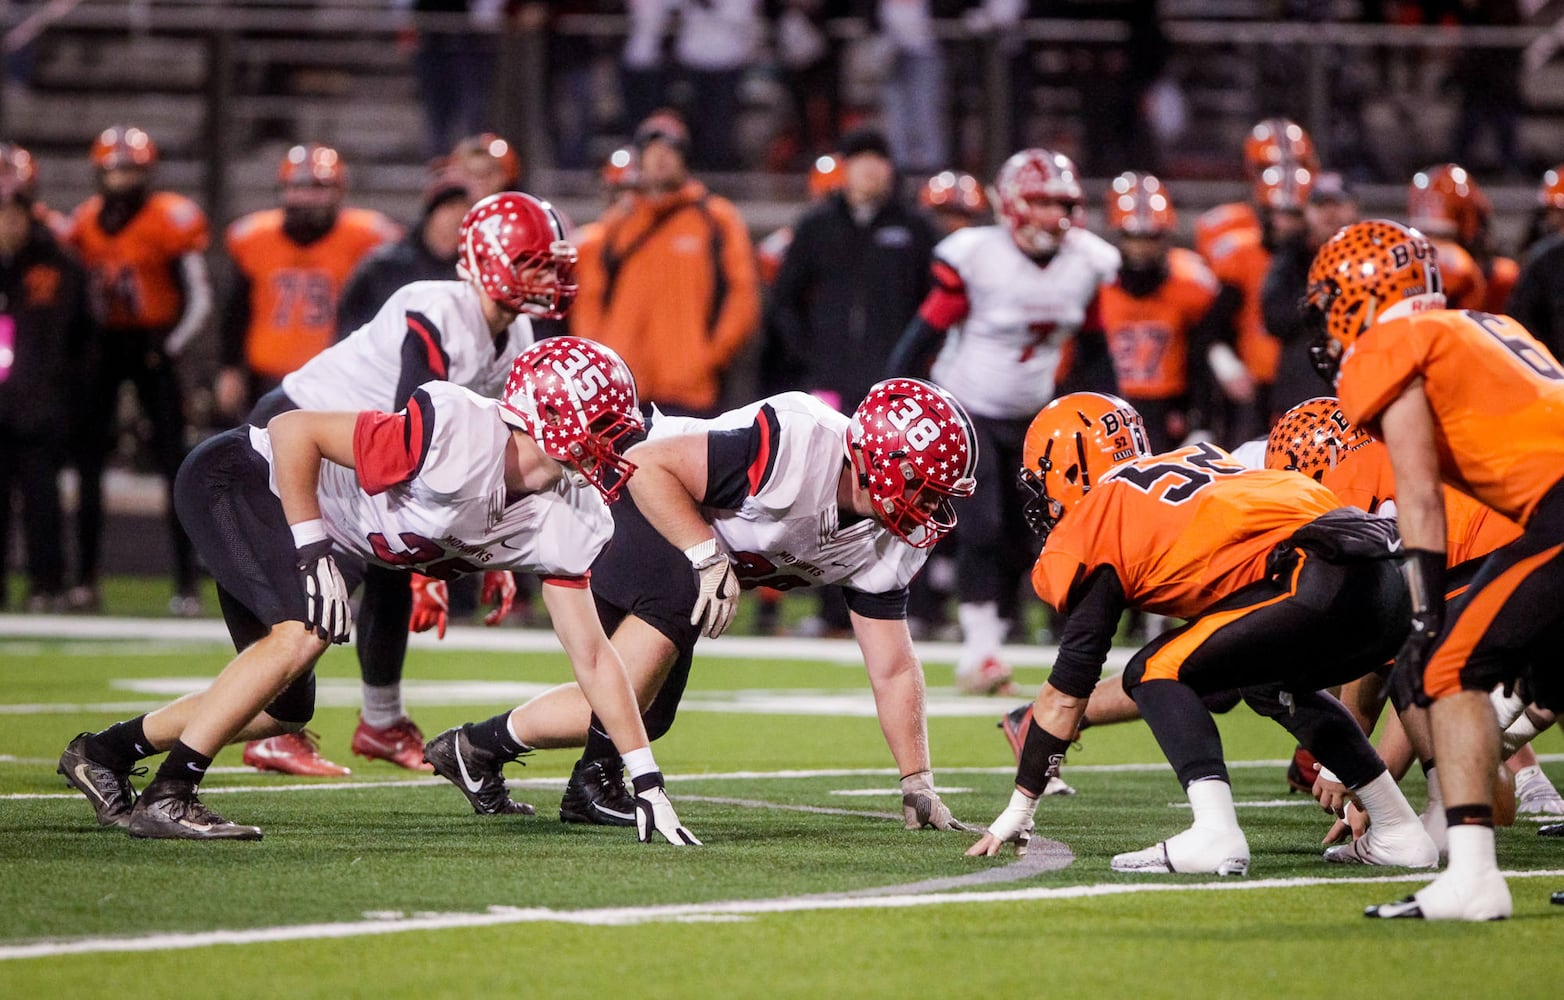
{"x": 499, "y": 916}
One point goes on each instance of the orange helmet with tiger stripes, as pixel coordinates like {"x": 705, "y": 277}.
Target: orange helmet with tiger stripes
{"x": 1139, "y": 204}
{"x": 1312, "y": 437}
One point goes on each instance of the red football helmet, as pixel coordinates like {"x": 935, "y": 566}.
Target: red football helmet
{"x": 913, "y": 448}
{"x": 1445, "y": 200}
{"x": 513, "y": 246}
{"x": 1138, "y": 204}
{"x": 18, "y": 172}
{"x": 577, "y": 399}
{"x": 1551, "y": 194}
{"x": 1070, "y": 445}
{"x": 490, "y": 163}
{"x": 954, "y": 191}
{"x": 825, "y": 175}
{"x": 1275, "y": 142}
{"x": 312, "y": 165}
{"x": 1312, "y": 437}
{"x": 1030, "y": 180}
{"x": 1367, "y": 272}
{"x": 123, "y": 146}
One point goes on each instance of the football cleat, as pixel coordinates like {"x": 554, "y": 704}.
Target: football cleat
{"x": 1057, "y": 786}
{"x": 401, "y": 743}
{"x": 1535, "y": 794}
{"x": 292, "y": 753}
{"x": 475, "y": 773}
{"x": 1485, "y": 898}
{"x": 185, "y": 606}
{"x": 1404, "y": 845}
{"x": 1013, "y": 724}
{"x": 1194, "y": 851}
{"x": 1551, "y": 830}
{"x": 1301, "y": 772}
{"x": 108, "y": 790}
{"x": 170, "y": 810}
{"x": 990, "y": 678}
{"x": 596, "y": 794}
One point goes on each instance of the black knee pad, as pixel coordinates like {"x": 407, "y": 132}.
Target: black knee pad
{"x": 296, "y": 703}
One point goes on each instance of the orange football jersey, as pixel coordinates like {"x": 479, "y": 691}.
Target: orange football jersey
{"x": 1215, "y": 223}
{"x": 1182, "y": 530}
{"x": 1497, "y": 396}
{"x": 1465, "y": 286}
{"x": 1502, "y": 275}
{"x": 293, "y": 288}
{"x": 1149, "y": 337}
{"x": 135, "y": 270}
{"x": 1241, "y": 260}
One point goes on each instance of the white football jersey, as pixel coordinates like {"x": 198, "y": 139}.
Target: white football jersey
{"x": 448, "y": 515}
{"x": 786, "y": 534}
{"x": 1002, "y": 360}
{"x": 362, "y": 371}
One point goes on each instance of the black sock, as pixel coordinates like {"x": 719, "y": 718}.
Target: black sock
{"x": 598, "y": 745}
{"x": 493, "y": 735}
{"x": 183, "y": 764}
{"x": 120, "y": 745}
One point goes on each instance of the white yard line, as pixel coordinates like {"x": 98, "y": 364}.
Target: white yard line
{"x": 499, "y": 916}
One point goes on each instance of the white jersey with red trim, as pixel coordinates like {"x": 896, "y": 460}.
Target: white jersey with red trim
{"x": 1002, "y": 359}
{"x": 786, "y": 532}
{"x": 428, "y": 494}
{"x": 441, "y": 319}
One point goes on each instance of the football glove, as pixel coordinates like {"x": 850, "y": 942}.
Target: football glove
{"x": 718, "y": 589}
{"x": 653, "y": 812}
{"x": 431, "y": 605}
{"x": 326, "y": 609}
{"x": 1014, "y": 825}
{"x": 499, "y": 592}
{"x": 921, "y": 805}
{"x": 1425, "y": 572}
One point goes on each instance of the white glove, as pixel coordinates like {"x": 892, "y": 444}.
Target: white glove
{"x": 653, "y": 811}
{"x": 921, "y": 805}
{"x": 719, "y": 589}
{"x": 326, "y": 608}
{"x": 1015, "y": 823}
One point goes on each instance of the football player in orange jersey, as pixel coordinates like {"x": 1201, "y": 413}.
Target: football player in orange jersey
{"x": 145, "y": 252}
{"x": 1537, "y": 301}
{"x": 1285, "y": 591}
{"x": 490, "y": 164}
{"x": 1442, "y": 203}
{"x": 290, "y": 264}
{"x": 1471, "y": 400}
{"x": 1271, "y": 143}
{"x": 955, "y": 199}
{"x": 1154, "y": 313}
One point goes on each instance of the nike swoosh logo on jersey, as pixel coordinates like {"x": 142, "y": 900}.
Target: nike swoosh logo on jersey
{"x": 461, "y": 765}
{"x": 81, "y": 775}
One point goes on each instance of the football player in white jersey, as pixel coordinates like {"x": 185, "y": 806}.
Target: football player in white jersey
{"x": 1014, "y": 305}
{"x": 515, "y": 266}
{"x": 453, "y": 483}
{"x": 783, "y": 493}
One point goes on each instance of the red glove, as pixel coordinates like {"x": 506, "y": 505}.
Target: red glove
{"x": 499, "y": 589}
{"x": 431, "y": 604}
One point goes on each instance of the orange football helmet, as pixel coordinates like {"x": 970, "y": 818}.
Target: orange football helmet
{"x": 1285, "y": 186}
{"x": 312, "y": 165}
{"x": 1551, "y": 194}
{"x": 1138, "y": 204}
{"x": 953, "y": 191}
{"x": 18, "y": 172}
{"x": 1367, "y": 272}
{"x": 1275, "y": 142}
{"x": 1445, "y": 200}
{"x": 1312, "y": 437}
{"x": 1070, "y": 444}
{"x": 621, "y": 171}
{"x": 825, "y": 176}
{"x": 123, "y": 146}
{"x": 492, "y": 164}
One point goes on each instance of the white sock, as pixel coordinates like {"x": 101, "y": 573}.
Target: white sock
{"x": 1211, "y": 800}
{"x": 382, "y": 705}
{"x": 1519, "y": 733}
{"x": 510, "y": 727}
{"x": 1471, "y": 851}
{"x": 982, "y": 633}
{"x": 1384, "y": 803}
{"x": 639, "y": 762}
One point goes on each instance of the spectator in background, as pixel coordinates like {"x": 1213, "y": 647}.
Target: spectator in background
{"x": 642, "y": 70}
{"x": 1489, "y": 82}
{"x": 1331, "y": 205}
{"x": 289, "y": 266}
{"x": 46, "y": 330}
{"x": 453, "y": 58}
{"x": 489, "y": 164}
{"x": 1537, "y": 302}
{"x": 914, "y": 94}
{"x": 145, "y": 253}
{"x": 716, "y": 43}
{"x": 810, "y": 71}
{"x": 668, "y": 280}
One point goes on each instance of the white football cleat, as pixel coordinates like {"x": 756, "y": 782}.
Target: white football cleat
{"x": 1484, "y": 898}
{"x": 1056, "y": 786}
{"x": 1405, "y": 845}
{"x": 1194, "y": 851}
{"x": 1535, "y": 794}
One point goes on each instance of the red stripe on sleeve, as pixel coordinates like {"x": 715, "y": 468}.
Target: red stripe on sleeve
{"x": 757, "y": 468}
{"x": 431, "y": 346}
{"x": 573, "y": 582}
{"x": 946, "y": 304}
{"x": 385, "y": 447}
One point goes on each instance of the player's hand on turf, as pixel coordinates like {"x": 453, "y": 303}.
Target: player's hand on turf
{"x": 717, "y": 589}
{"x": 431, "y": 605}
{"x": 921, "y": 806}
{"x": 499, "y": 592}
{"x": 1014, "y": 825}
{"x": 326, "y": 608}
{"x": 1354, "y": 826}
{"x": 1330, "y": 793}
{"x": 653, "y": 812}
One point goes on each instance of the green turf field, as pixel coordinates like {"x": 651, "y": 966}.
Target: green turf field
{"x": 385, "y": 884}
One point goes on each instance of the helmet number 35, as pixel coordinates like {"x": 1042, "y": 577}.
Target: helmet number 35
{"x": 905, "y": 418}
{"x": 592, "y": 378}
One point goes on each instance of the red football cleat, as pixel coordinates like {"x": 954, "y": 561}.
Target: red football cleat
{"x": 292, "y": 753}
{"x": 990, "y": 678}
{"x": 1302, "y": 772}
{"x": 1015, "y": 723}
{"x": 401, "y": 743}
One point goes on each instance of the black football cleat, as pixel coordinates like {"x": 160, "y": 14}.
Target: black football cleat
{"x": 1551, "y": 830}
{"x": 475, "y": 773}
{"x": 108, "y": 790}
{"x": 170, "y": 810}
{"x": 596, "y": 794}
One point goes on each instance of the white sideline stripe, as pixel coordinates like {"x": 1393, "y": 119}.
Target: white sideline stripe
{"x": 476, "y": 638}
{"x": 499, "y": 916}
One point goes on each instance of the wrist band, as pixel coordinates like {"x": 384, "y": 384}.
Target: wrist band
{"x": 308, "y": 532}
{"x": 702, "y": 554}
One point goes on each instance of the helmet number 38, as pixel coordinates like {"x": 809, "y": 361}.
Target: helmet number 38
{"x": 920, "y": 434}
